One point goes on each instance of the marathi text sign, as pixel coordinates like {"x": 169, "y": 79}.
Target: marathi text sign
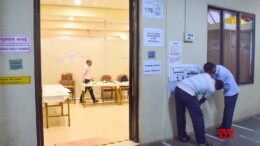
{"x": 14, "y": 44}
{"x": 11, "y": 80}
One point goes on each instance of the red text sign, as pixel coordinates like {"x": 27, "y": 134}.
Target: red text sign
{"x": 226, "y": 133}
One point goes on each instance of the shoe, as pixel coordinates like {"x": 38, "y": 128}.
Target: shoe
{"x": 207, "y": 144}
{"x": 185, "y": 139}
{"x": 96, "y": 101}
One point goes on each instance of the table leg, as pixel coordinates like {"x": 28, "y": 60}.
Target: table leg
{"x": 83, "y": 98}
{"x": 47, "y": 115}
{"x": 61, "y": 105}
{"x": 69, "y": 111}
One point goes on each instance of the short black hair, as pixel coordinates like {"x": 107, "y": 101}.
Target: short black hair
{"x": 218, "y": 84}
{"x": 209, "y": 66}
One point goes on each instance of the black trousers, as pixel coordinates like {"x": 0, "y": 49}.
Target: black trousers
{"x": 183, "y": 100}
{"x": 90, "y": 90}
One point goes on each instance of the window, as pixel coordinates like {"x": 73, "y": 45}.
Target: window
{"x": 231, "y": 42}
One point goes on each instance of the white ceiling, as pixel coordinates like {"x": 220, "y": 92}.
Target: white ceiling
{"x": 114, "y": 4}
{"x": 92, "y": 18}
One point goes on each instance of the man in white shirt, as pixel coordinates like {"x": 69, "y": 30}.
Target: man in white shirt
{"x": 186, "y": 93}
{"x": 231, "y": 91}
{"x": 87, "y": 77}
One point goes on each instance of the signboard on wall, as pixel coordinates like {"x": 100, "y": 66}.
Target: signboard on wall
{"x": 12, "y": 80}
{"x": 153, "y": 9}
{"x": 153, "y": 37}
{"x": 152, "y": 67}
{"x": 14, "y": 44}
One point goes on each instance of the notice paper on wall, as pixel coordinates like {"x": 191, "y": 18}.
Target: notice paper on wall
{"x": 14, "y": 44}
{"x": 153, "y": 9}
{"x": 153, "y": 37}
{"x": 152, "y": 67}
{"x": 175, "y": 52}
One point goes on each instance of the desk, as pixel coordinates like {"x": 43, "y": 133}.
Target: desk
{"x": 116, "y": 85}
{"x": 55, "y": 93}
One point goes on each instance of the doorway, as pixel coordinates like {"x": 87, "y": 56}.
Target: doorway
{"x": 133, "y": 73}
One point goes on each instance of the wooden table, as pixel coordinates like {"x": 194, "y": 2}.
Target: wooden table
{"x": 53, "y": 94}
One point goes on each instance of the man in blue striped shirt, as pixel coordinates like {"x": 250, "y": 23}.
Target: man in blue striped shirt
{"x": 186, "y": 95}
{"x": 231, "y": 91}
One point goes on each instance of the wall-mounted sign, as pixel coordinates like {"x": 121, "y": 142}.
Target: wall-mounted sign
{"x": 12, "y": 80}
{"x": 153, "y": 9}
{"x": 152, "y": 67}
{"x": 151, "y": 54}
{"x": 153, "y": 37}
{"x": 14, "y": 44}
{"x": 16, "y": 64}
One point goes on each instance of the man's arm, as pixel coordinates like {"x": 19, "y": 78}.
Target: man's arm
{"x": 202, "y": 100}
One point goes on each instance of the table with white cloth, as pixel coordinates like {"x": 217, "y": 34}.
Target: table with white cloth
{"x": 116, "y": 85}
{"x": 53, "y": 94}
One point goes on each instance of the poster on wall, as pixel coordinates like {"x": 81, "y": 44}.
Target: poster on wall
{"x": 152, "y": 67}
{"x": 178, "y": 72}
{"x": 14, "y": 44}
{"x": 153, "y": 37}
{"x": 175, "y": 52}
{"x": 153, "y": 9}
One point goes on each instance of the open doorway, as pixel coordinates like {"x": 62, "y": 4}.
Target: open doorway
{"x": 72, "y": 57}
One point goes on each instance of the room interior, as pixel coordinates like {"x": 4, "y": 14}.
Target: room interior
{"x": 71, "y": 32}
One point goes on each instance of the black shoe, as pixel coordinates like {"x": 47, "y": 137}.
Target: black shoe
{"x": 96, "y": 101}
{"x": 185, "y": 139}
{"x": 207, "y": 144}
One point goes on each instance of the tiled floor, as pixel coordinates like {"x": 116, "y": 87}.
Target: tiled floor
{"x": 109, "y": 122}
{"x": 246, "y": 133}
{"x": 102, "y": 120}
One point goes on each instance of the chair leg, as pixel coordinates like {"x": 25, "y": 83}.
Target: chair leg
{"x": 102, "y": 96}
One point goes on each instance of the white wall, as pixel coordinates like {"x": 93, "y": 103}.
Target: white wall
{"x": 59, "y": 56}
{"x": 157, "y": 110}
{"x": 17, "y": 102}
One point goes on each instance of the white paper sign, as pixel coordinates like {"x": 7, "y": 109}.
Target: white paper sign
{"x": 153, "y": 9}
{"x": 153, "y": 37}
{"x": 179, "y": 72}
{"x": 14, "y": 44}
{"x": 175, "y": 52}
{"x": 152, "y": 67}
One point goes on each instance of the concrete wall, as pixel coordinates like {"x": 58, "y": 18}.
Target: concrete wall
{"x": 157, "y": 118}
{"x": 17, "y": 102}
{"x": 157, "y": 110}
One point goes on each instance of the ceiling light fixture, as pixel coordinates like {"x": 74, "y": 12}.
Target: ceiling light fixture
{"x": 71, "y": 18}
{"x": 77, "y": 2}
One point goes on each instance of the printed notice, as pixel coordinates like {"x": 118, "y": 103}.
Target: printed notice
{"x": 175, "y": 52}
{"x": 12, "y": 80}
{"x": 16, "y": 64}
{"x": 153, "y": 9}
{"x": 153, "y": 37}
{"x": 152, "y": 67}
{"x": 14, "y": 44}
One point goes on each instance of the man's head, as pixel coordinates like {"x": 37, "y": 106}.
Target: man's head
{"x": 210, "y": 68}
{"x": 89, "y": 62}
{"x": 218, "y": 84}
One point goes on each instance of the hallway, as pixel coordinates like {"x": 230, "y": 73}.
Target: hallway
{"x": 246, "y": 133}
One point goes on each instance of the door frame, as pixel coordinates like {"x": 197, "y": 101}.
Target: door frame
{"x": 133, "y": 71}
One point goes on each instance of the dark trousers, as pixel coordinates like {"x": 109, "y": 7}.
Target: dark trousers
{"x": 230, "y": 103}
{"x": 184, "y": 100}
{"x": 90, "y": 90}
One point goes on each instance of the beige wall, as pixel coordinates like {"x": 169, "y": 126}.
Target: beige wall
{"x": 59, "y": 56}
{"x": 17, "y": 102}
{"x": 157, "y": 119}
{"x": 157, "y": 110}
